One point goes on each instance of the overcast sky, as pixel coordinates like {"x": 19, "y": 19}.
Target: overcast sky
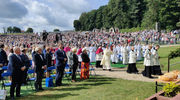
{"x": 44, "y": 14}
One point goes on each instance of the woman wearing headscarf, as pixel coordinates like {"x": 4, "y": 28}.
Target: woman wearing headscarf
{"x": 99, "y": 56}
{"x": 84, "y": 64}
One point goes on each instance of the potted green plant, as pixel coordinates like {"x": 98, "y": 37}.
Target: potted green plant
{"x": 171, "y": 89}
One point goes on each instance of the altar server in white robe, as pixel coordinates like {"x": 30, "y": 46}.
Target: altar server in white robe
{"x": 132, "y": 61}
{"x": 125, "y": 54}
{"x": 119, "y": 52}
{"x": 114, "y": 57}
{"x": 148, "y": 63}
{"x": 156, "y": 70}
{"x": 106, "y": 61}
{"x": 143, "y": 49}
{"x": 139, "y": 52}
{"x": 128, "y": 48}
{"x": 92, "y": 53}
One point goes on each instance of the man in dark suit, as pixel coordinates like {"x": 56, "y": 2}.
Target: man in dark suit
{"x": 40, "y": 66}
{"x": 3, "y": 55}
{"x": 1, "y": 65}
{"x": 26, "y": 62}
{"x": 61, "y": 60}
{"x": 17, "y": 72}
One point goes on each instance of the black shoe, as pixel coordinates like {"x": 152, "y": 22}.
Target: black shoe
{"x": 37, "y": 90}
{"x": 12, "y": 98}
{"x": 136, "y": 72}
{"x": 41, "y": 89}
{"x": 18, "y": 95}
{"x": 109, "y": 69}
{"x": 151, "y": 77}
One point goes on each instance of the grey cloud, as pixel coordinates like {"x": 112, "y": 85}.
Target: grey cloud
{"x": 12, "y": 9}
{"x": 73, "y": 6}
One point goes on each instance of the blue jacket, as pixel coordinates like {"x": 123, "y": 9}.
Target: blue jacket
{"x": 60, "y": 55}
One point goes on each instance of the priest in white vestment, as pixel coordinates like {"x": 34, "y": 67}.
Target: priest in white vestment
{"x": 106, "y": 61}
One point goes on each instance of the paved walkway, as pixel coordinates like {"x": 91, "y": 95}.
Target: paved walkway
{"x": 121, "y": 73}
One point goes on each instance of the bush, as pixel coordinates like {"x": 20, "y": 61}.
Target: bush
{"x": 174, "y": 54}
{"x": 171, "y": 89}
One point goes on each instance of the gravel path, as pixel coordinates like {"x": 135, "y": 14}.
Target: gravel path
{"x": 121, "y": 73}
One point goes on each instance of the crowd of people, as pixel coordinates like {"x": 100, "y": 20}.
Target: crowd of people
{"x": 78, "y": 50}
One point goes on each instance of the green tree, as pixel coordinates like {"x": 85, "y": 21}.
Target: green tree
{"x": 9, "y": 29}
{"x": 83, "y": 20}
{"x": 56, "y": 30}
{"x": 152, "y": 14}
{"x": 99, "y": 15}
{"x": 131, "y": 14}
{"x": 77, "y": 25}
{"x": 29, "y": 30}
{"x": 16, "y": 29}
{"x": 91, "y": 20}
{"x": 169, "y": 14}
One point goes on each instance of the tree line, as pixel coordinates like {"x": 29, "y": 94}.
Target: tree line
{"x": 125, "y": 14}
{"x": 15, "y": 29}
{"x": 18, "y": 30}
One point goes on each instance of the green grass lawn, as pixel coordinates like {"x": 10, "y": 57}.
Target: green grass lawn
{"x": 100, "y": 88}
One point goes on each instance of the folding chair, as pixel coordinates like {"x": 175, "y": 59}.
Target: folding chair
{"x": 5, "y": 80}
{"x": 78, "y": 71}
{"x": 51, "y": 69}
{"x": 92, "y": 70}
{"x": 4, "y": 67}
{"x": 30, "y": 62}
{"x": 30, "y": 77}
{"x": 67, "y": 72}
